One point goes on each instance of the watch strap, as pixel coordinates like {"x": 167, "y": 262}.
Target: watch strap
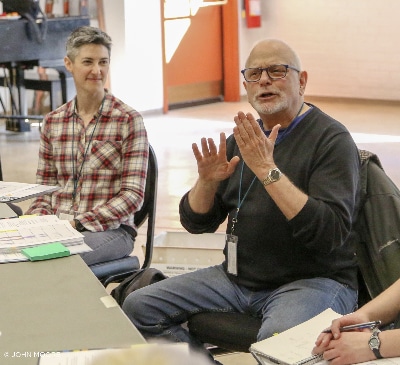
{"x": 377, "y": 354}
{"x": 79, "y": 226}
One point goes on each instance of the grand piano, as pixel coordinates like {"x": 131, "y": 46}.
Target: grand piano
{"x": 22, "y": 49}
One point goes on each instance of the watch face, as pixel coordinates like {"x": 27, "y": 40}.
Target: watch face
{"x": 275, "y": 174}
{"x": 374, "y": 342}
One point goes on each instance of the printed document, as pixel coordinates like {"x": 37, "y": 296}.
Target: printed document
{"x": 15, "y": 192}
{"x": 19, "y": 233}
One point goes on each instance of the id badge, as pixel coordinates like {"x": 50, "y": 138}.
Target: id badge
{"x": 66, "y": 215}
{"x": 231, "y": 242}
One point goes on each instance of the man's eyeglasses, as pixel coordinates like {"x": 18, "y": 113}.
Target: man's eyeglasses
{"x": 275, "y": 72}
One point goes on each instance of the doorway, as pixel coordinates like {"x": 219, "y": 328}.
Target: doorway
{"x": 195, "y": 41}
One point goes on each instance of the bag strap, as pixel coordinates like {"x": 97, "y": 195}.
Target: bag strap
{"x": 366, "y": 157}
{"x": 40, "y": 32}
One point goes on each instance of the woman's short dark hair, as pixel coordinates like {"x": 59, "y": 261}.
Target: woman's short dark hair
{"x": 86, "y": 35}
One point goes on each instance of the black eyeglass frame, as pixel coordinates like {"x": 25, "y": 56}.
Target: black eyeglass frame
{"x": 262, "y": 69}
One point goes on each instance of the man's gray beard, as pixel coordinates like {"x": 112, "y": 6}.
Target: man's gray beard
{"x": 271, "y": 109}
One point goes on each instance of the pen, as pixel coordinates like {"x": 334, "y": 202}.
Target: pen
{"x": 355, "y": 326}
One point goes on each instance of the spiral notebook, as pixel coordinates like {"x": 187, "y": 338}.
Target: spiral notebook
{"x": 294, "y": 346}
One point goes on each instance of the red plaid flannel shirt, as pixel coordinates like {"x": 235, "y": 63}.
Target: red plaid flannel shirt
{"x": 111, "y": 185}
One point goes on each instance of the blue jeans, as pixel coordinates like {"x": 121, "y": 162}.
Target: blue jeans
{"x": 159, "y": 310}
{"x": 108, "y": 245}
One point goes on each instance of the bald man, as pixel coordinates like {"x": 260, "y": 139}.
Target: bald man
{"x": 288, "y": 182}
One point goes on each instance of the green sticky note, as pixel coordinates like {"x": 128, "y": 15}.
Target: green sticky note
{"x": 46, "y": 251}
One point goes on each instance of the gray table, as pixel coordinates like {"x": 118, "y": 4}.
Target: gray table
{"x": 57, "y": 305}
{"x": 6, "y": 211}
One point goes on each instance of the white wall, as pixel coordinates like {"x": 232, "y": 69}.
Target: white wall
{"x": 136, "y": 58}
{"x": 349, "y": 48}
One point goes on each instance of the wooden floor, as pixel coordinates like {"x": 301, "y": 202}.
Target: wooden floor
{"x": 375, "y": 126}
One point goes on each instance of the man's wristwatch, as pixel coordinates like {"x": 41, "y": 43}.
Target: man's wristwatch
{"x": 79, "y": 226}
{"x": 375, "y": 343}
{"x": 273, "y": 175}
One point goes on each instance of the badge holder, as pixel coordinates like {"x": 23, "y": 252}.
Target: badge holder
{"x": 67, "y": 215}
{"x": 231, "y": 243}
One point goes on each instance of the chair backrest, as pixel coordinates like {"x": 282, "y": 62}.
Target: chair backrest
{"x": 148, "y": 210}
{"x": 117, "y": 270}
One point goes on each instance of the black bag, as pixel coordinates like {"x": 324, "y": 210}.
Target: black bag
{"x": 139, "y": 279}
{"x": 378, "y": 226}
{"x": 22, "y": 7}
{"x": 30, "y": 10}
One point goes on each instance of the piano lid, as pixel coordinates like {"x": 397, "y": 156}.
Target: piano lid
{"x": 18, "y": 44}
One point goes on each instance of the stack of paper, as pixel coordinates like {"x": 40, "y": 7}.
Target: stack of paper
{"x": 17, "y": 234}
{"x": 15, "y": 192}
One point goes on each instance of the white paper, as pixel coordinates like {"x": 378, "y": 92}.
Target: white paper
{"x": 14, "y": 191}
{"x": 73, "y": 357}
{"x": 19, "y": 233}
{"x": 87, "y": 357}
{"x": 295, "y": 344}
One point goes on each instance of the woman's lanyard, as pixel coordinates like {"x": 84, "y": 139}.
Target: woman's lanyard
{"x": 77, "y": 175}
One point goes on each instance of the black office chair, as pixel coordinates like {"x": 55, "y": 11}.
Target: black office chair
{"x": 235, "y": 332}
{"x": 116, "y": 270}
{"x": 232, "y": 332}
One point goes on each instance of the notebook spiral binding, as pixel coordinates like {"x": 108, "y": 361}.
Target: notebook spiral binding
{"x": 310, "y": 360}
{"x": 313, "y": 359}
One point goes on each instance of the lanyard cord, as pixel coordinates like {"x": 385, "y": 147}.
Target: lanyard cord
{"x": 240, "y": 201}
{"x": 76, "y": 176}
{"x": 279, "y": 139}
